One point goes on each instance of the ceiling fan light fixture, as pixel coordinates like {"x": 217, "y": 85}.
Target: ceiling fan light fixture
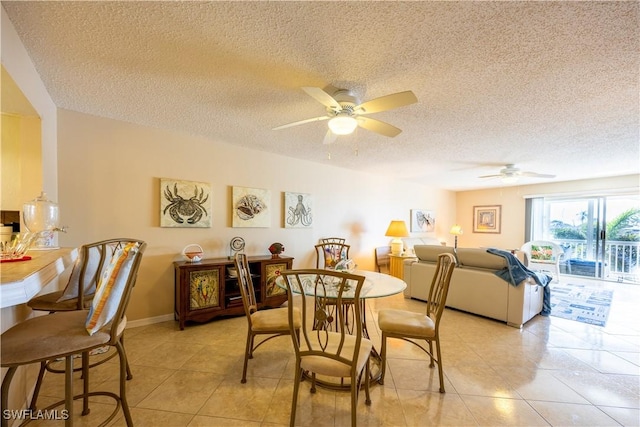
{"x": 510, "y": 179}
{"x": 343, "y": 124}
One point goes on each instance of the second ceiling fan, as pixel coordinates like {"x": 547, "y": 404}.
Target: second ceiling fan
{"x": 345, "y": 113}
{"x": 510, "y": 173}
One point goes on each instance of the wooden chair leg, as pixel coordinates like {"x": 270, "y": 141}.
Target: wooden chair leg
{"x": 36, "y": 391}
{"x": 247, "y": 353}
{"x": 123, "y": 384}
{"x": 6, "y": 382}
{"x": 383, "y": 356}
{"x": 68, "y": 390}
{"x": 85, "y": 383}
{"x": 294, "y": 401}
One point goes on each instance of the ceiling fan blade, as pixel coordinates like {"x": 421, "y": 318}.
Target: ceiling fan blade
{"x": 329, "y": 137}
{"x": 490, "y": 176}
{"x": 323, "y": 97}
{"x": 301, "y": 122}
{"x": 378, "y": 127}
{"x": 537, "y": 175}
{"x": 387, "y": 102}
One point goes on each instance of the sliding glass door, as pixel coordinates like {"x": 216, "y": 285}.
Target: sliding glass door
{"x": 600, "y": 235}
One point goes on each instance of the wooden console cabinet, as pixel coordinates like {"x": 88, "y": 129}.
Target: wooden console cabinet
{"x": 204, "y": 290}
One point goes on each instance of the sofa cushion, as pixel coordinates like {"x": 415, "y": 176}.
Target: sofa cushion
{"x": 480, "y": 258}
{"x": 430, "y": 252}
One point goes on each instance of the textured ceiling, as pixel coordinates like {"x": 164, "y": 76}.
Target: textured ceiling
{"x": 550, "y": 86}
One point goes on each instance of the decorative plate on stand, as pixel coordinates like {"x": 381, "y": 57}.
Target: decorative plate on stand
{"x": 236, "y": 246}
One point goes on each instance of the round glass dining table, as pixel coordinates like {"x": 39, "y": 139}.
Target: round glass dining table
{"x": 376, "y": 285}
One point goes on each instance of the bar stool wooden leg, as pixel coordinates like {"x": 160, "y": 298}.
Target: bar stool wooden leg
{"x": 68, "y": 390}
{"x": 6, "y": 382}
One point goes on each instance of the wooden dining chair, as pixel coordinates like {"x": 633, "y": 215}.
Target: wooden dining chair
{"x": 65, "y": 334}
{"x": 323, "y": 349}
{"x": 269, "y": 324}
{"x": 382, "y": 259}
{"x": 328, "y": 253}
{"x": 412, "y": 327}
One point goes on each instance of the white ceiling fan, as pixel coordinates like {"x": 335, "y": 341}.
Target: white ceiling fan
{"x": 345, "y": 113}
{"x": 510, "y": 173}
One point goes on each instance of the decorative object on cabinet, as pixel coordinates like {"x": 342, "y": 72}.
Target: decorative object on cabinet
{"x": 487, "y": 219}
{"x": 297, "y": 208}
{"x": 422, "y": 220}
{"x": 236, "y": 246}
{"x": 250, "y": 207}
{"x": 193, "y": 253}
{"x": 185, "y": 203}
{"x": 209, "y": 288}
{"x": 397, "y": 229}
{"x": 276, "y": 249}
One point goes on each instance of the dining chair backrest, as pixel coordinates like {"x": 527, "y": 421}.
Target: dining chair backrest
{"x": 440, "y": 286}
{"x": 382, "y": 259}
{"x": 333, "y": 240}
{"x": 245, "y": 283}
{"x": 332, "y": 301}
{"x": 331, "y": 253}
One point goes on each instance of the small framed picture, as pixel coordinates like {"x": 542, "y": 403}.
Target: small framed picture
{"x": 487, "y": 219}
{"x": 422, "y": 220}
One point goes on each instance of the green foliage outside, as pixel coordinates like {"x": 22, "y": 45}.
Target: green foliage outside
{"x": 625, "y": 227}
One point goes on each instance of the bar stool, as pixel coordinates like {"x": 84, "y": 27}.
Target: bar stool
{"x": 65, "y": 334}
{"x": 77, "y": 295}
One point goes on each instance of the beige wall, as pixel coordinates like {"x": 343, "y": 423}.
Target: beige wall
{"x": 109, "y": 175}
{"x": 20, "y": 160}
{"x": 512, "y": 200}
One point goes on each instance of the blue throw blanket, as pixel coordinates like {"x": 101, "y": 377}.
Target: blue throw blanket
{"x": 515, "y": 272}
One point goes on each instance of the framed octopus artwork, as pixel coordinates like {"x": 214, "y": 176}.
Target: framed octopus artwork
{"x": 185, "y": 203}
{"x": 297, "y": 210}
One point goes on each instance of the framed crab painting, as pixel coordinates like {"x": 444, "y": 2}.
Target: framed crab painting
{"x": 185, "y": 203}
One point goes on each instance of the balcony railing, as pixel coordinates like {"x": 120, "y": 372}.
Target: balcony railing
{"x": 621, "y": 261}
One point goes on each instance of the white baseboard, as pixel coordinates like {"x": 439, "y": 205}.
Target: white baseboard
{"x": 149, "y": 321}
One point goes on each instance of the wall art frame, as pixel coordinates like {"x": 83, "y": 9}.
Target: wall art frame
{"x": 423, "y": 221}
{"x": 250, "y": 207}
{"x": 487, "y": 219}
{"x": 185, "y": 203}
{"x": 298, "y": 209}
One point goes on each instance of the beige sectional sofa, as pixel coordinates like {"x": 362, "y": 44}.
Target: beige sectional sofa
{"x": 474, "y": 287}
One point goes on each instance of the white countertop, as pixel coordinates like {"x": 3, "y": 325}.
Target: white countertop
{"x": 22, "y": 280}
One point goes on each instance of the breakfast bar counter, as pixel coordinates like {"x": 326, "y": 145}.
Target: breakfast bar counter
{"x": 22, "y": 280}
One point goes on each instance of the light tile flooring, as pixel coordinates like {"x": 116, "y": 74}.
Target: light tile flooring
{"x": 552, "y": 372}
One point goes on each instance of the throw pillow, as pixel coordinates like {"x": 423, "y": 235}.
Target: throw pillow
{"x": 110, "y": 288}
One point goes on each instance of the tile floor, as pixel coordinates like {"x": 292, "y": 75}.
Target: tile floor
{"x": 552, "y": 372}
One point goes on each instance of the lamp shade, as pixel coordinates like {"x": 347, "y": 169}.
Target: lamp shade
{"x": 397, "y": 229}
{"x": 456, "y": 230}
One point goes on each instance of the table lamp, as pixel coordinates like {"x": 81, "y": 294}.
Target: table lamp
{"x": 397, "y": 229}
{"x": 456, "y": 230}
